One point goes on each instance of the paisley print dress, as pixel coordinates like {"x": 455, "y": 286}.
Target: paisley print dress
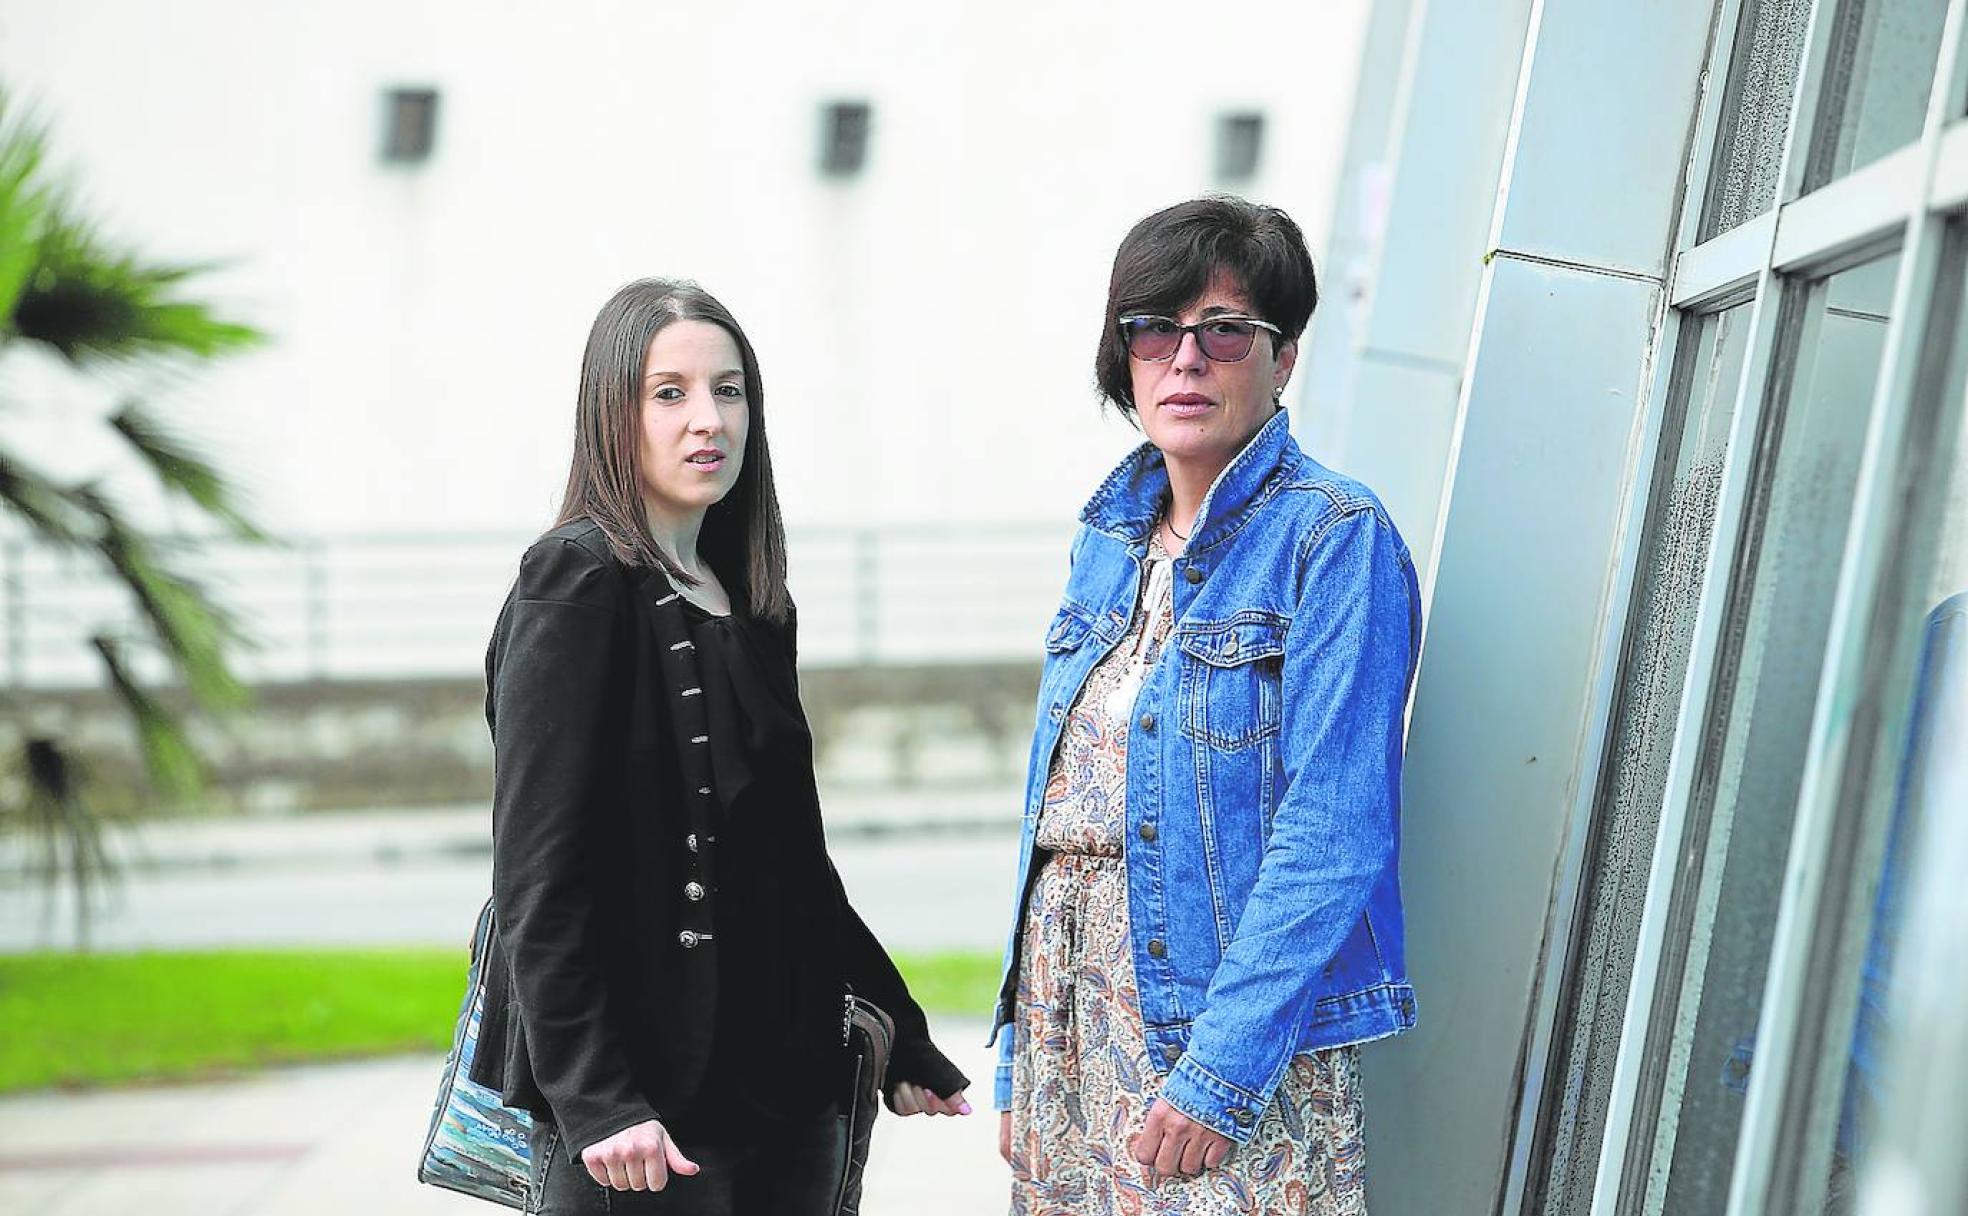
{"x": 1081, "y": 1081}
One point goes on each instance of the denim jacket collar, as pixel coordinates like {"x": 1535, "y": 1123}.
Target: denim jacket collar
{"x": 1128, "y": 502}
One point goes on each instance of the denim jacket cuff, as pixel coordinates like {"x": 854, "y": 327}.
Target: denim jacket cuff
{"x": 1229, "y": 1110}
{"x": 1001, "y": 1088}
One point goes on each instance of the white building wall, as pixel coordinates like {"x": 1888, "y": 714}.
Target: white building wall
{"x": 926, "y": 328}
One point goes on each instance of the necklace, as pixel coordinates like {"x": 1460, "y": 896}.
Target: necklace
{"x": 1168, "y": 521}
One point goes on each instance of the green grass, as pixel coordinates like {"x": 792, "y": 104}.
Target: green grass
{"x": 964, "y": 985}
{"x": 93, "y": 1018}
{"x": 96, "y": 1019}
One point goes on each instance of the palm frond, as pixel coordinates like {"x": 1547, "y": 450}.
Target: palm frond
{"x": 54, "y": 512}
{"x": 91, "y": 303}
{"x": 181, "y": 468}
{"x": 192, "y": 630}
{"x": 67, "y": 840}
{"x": 169, "y": 758}
{"x": 24, "y": 202}
{"x": 65, "y": 287}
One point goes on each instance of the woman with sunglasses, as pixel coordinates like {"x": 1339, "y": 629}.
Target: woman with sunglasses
{"x": 1208, "y": 920}
{"x": 673, "y": 949}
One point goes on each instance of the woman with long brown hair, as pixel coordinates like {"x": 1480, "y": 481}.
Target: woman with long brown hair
{"x": 673, "y": 947}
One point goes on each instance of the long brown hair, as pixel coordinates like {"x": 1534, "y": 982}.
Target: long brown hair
{"x": 743, "y": 537}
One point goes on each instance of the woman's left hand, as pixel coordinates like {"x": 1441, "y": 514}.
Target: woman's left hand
{"x": 912, "y": 1099}
{"x": 1174, "y": 1144}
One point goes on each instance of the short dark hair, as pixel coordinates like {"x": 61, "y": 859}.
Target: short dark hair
{"x": 743, "y": 537}
{"x": 1167, "y": 260}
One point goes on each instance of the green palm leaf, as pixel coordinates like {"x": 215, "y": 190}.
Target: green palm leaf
{"x": 51, "y": 510}
{"x": 70, "y": 291}
{"x": 23, "y": 205}
{"x": 192, "y": 630}
{"x": 68, "y": 844}
{"x": 89, "y": 302}
{"x": 169, "y": 758}
{"x": 181, "y": 468}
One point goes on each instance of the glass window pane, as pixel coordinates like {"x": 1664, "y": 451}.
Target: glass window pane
{"x": 1932, "y": 775}
{"x": 1687, "y": 480}
{"x": 1751, "y": 754}
{"x": 1877, "y": 82}
{"x": 1755, "y": 112}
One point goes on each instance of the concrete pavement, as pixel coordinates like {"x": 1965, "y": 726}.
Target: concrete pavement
{"x": 344, "y": 1138}
{"x": 927, "y": 871}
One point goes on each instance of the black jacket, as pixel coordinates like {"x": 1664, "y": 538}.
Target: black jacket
{"x": 602, "y": 980}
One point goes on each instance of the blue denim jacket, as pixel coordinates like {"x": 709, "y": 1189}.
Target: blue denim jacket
{"x": 1264, "y": 770}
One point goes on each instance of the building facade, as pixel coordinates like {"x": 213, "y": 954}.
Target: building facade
{"x": 1678, "y": 434}
{"x": 912, "y": 207}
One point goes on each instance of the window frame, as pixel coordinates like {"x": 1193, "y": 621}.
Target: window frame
{"x": 1902, "y": 202}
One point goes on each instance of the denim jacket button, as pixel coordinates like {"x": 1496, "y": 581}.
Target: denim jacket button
{"x": 1171, "y": 1053}
{"x": 1240, "y": 1116}
{"x": 1148, "y": 831}
{"x": 1148, "y": 722}
{"x": 1157, "y": 948}
{"x": 1194, "y": 574}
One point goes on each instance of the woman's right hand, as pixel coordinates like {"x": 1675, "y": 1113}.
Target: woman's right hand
{"x": 1004, "y": 1135}
{"x": 637, "y": 1158}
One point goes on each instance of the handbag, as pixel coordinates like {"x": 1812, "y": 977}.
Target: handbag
{"x": 870, "y": 1037}
{"x": 476, "y": 1144}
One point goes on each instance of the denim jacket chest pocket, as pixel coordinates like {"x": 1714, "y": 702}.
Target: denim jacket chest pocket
{"x": 1069, "y": 629}
{"x": 1073, "y": 643}
{"x": 1232, "y": 680}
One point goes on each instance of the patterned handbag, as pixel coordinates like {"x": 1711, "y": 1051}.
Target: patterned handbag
{"x": 870, "y": 1037}
{"x": 476, "y": 1145}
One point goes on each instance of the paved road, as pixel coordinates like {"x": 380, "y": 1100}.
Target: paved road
{"x": 310, "y": 884}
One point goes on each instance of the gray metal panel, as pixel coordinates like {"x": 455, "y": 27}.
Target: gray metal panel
{"x": 1599, "y": 188}
{"x": 1403, "y": 425}
{"x": 1387, "y": 367}
{"x": 1507, "y": 674}
{"x": 1461, "y": 80}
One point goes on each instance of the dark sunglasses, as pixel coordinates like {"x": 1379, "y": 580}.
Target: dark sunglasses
{"x": 1153, "y": 339}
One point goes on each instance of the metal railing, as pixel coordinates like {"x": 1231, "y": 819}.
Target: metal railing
{"x": 421, "y": 605}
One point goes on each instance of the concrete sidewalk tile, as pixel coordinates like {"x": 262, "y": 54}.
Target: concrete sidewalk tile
{"x": 39, "y": 1191}
{"x": 197, "y": 1190}
{"x": 340, "y": 1138}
